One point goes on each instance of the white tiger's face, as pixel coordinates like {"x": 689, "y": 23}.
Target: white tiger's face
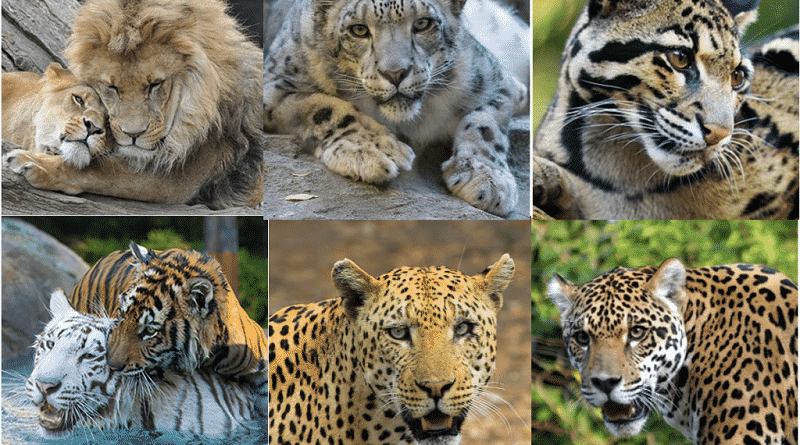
{"x": 389, "y": 54}
{"x": 71, "y": 381}
{"x": 670, "y": 75}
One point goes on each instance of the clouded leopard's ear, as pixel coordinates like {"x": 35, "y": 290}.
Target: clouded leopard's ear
{"x": 744, "y": 12}
{"x": 607, "y": 8}
{"x": 354, "y": 285}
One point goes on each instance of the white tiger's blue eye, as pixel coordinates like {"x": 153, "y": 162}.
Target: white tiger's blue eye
{"x": 50, "y": 344}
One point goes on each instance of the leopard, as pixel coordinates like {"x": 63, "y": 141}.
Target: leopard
{"x": 55, "y": 113}
{"x": 369, "y": 84}
{"x": 397, "y": 359}
{"x": 660, "y": 113}
{"x": 713, "y": 349}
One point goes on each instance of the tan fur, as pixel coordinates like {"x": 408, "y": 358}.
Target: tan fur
{"x": 54, "y": 113}
{"x": 182, "y": 86}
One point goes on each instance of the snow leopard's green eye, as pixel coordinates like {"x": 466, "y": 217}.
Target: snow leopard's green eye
{"x": 423, "y": 24}
{"x": 359, "y": 30}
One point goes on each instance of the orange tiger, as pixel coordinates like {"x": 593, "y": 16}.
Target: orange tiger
{"x": 174, "y": 311}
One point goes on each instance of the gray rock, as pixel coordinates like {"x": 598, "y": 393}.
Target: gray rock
{"x": 34, "y": 263}
{"x": 416, "y": 194}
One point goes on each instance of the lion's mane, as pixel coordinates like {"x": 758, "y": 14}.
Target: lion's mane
{"x": 209, "y": 119}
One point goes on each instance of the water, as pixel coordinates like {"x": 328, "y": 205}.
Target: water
{"x": 19, "y": 418}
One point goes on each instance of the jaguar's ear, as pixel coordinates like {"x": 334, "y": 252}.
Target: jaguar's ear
{"x": 59, "y": 305}
{"x": 562, "y": 293}
{"x": 744, "y": 12}
{"x": 353, "y": 284}
{"x": 669, "y": 284}
{"x": 497, "y": 276}
{"x": 201, "y": 296}
{"x": 142, "y": 254}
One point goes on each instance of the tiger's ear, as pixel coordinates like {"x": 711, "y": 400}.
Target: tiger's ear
{"x": 59, "y": 305}
{"x": 497, "y": 276}
{"x": 142, "y": 254}
{"x": 201, "y": 296}
{"x": 353, "y": 284}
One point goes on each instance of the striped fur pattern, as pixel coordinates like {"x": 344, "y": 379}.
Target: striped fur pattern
{"x": 367, "y": 82}
{"x": 72, "y": 385}
{"x": 659, "y": 114}
{"x": 176, "y": 312}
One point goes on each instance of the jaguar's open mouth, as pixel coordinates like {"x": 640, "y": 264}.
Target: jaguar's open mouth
{"x": 614, "y": 412}
{"x": 434, "y": 424}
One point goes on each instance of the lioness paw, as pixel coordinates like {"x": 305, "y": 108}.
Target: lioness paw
{"x": 42, "y": 171}
{"x": 365, "y": 155}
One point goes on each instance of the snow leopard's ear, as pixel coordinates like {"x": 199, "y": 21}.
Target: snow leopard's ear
{"x": 456, "y": 6}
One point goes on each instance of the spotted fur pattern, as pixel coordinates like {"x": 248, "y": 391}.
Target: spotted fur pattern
{"x": 364, "y": 81}
{"x": 72, "y": 384}
{"x": 659, "y": 114}
{"x": 399, "y": 358}
{"x": 714, "y": 349}
{"x": 175, "y": 311}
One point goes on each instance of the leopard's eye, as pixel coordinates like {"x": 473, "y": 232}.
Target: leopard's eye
{"x": 463, "y": 329}
{"x": 678, "y": 58}
{"x": 78, "y": 100}
{"x": 359, "y": 30}
{"x": 399, "y": 333}
{"x": 737, "y": 78}
{"x": 637, "y": 333}
{"x": 581, "y": 338}
{"x": 423, "y": 24}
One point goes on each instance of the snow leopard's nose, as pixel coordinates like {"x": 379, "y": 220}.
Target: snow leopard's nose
{"x": 395, "y": 76}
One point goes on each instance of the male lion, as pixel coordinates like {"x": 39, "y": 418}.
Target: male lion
{"x": 54, "y": 113}
{"x": 182, "y": 86}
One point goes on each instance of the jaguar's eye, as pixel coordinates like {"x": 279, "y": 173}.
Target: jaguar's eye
{"x": 678, "y": 58}
{"x": 399, "y": 333}
{"x": 637, "y": 333}
{"x": 359, "y": 30}
{"x": 423, "y": 24}
{"x": 463, "y": 329}
{"x": 78, "y": 100}
{"x": 737, "y": 78}
{"x": 581, "y": 338}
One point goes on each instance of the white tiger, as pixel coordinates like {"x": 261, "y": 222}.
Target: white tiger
{"x": 71, "y": 384}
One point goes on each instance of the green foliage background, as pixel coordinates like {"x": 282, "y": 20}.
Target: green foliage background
{"x": 581, "y": 250}
{"x": 551, "y": 22}
{"x": 94, "y": 238}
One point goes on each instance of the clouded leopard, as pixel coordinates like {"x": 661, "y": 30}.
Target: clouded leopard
{"x": 660, "y": 114}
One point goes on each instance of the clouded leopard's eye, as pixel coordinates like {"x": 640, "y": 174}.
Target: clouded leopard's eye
{"x": 678, "y": 58}
{"x": 359, "y": 30}
{"x": 737, "y": 78}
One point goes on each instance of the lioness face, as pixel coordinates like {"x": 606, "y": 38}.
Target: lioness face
{"x": 137, "y": 89}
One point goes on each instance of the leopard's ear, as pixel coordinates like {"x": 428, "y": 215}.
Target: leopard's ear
{"x": 354, "y": 285}
{"x": 497, "y": 277}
